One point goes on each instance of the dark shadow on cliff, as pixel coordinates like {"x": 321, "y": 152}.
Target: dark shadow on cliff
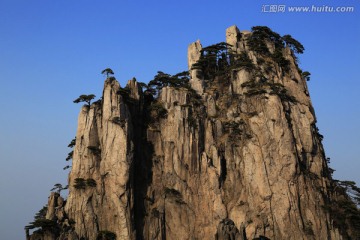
{"x": 141, "y": 173}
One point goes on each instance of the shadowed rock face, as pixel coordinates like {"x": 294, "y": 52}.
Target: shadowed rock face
{"x": 229, "y": 164}
{"x": 227, "y": 231}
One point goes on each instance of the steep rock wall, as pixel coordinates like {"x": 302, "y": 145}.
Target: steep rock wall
{"x": 103, "y": 152}
{"x": 237, "y": 157}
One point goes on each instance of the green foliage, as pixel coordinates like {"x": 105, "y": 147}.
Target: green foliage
{"x": 236, "y": 131}
{"x": 42, "y": 213}
{"x": 280, "y": 90}
{"x": 66, "y": 167}
{"x": 317, "y": 133}
{"x": 111, "y": 79}
{"x": 119, "y": 121}
{"x": 58, "y": 188}
{"x": 143, "y": 85}
{"x": 293, "y": 44}
{"x": 306, "y": 75}
{"x": 344, "y": 207}
{"x": 98, "y": 102}
{"x": 80, "y": 183}
{"x": 90, "y": 182}
{"x": 261, "y": 87}
{"x": 216, "y": 49}
{"x": 162, "y": 79}
{"x": 352, "y": 190}
{"x": 214, "y": 60}
{"x": 261, "y": 34}
{"x": 125, "y": 92}
{"x": 194, "y": 108}
{"x": 108, "y": 72}
{"x": 106, "y": 235}
{"x": 241, "y": 61}
{"x": 266, "y": 33}
{"x": 157, "y": 111}
{"x": 85, "y": 98}
{"x": 174, "y": 194}
{"x": 220, "y": 60}
{"x": 95, "y": 150}
{"x": 70, "y": 156}
{"x": 278, "y": 57}
{"x": 41, "y": 223}
{"x": 72, "y": 143}
{"x": 254, "y": 92}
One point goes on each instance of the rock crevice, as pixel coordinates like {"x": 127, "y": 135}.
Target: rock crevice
{"x": 245, "y": 163}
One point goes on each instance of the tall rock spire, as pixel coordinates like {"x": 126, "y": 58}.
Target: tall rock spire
{"x": 194, "y": 54}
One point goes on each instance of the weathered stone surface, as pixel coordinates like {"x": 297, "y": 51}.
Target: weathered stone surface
{"x": 194, "y": 53}
{"x": 233, "y": 36}
{"x": 107, "y": 206}
{"x": 232, "y": 163}
{"x": 242, "y": 76}
{"x": 53, "y": 201}
{"x": 43, "y": 236}
{"x": 227, "y": 230}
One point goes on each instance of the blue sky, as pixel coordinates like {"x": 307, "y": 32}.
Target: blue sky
{"x": 52, "y": 51}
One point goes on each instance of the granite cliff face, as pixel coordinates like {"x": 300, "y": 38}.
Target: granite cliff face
{"x": 237, "y": 156}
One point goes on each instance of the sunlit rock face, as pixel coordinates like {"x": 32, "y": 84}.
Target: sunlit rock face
{"x": 238, "y": 158}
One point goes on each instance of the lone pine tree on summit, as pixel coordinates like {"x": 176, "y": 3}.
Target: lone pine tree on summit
{"x": 108, "y": 72}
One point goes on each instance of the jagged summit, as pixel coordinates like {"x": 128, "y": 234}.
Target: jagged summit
{"x": 230, "y": 152}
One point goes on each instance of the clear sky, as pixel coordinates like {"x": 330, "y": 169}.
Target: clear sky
{"x": 51, "y": 51}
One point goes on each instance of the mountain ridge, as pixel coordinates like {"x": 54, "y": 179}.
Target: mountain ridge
{"x": 230, "y": 152}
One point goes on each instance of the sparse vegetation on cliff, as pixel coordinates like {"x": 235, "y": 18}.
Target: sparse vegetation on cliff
{"x": 157, "y": 111}
{"x": 59, "y": 187}
{"x": 85, "y": 98}
{"x": 293, "y": 44}
{"x": 41, "y": 224}
{"x": 79, "y": 183}
{"x": 72, "y": 143}
{"x": 175, "y": 156}
{"x": 95, "y": 150}
{"x": 213, "y": 61}
{"x": 125, "y": 93}
{"x": 220, "y": 60}
{"x": 162, "y": 79}
{"x": 107, "y": 72}
{"x": 343, "y": 207}
{"x": 306, "y": 75}
{"x": 106, "y": 235}
{"x": 69, "y": 156}
{"x": 119, "y": 121}
{"x": 262, "y": 37}
{"x": 91, "y": 182}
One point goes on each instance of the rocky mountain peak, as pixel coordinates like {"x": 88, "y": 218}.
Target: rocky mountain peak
{"x": 229, "y": 150}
